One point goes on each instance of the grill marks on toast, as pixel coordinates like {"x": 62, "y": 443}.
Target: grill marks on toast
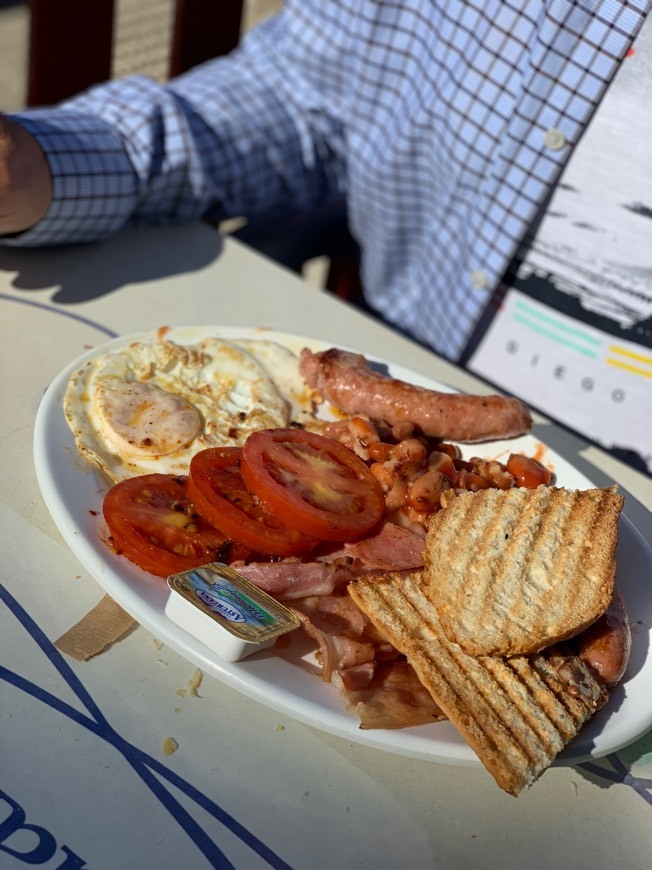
{"x": 516, "y": 713}
{"x": 512, "y": 537}
{"x": 512, "y": 572}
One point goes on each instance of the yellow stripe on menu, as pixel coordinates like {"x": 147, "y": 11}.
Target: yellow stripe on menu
{"x": 628, "y": 367}
{"x": 630, "y": 355}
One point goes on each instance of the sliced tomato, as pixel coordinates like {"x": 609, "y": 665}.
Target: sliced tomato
{"x": 220, "y": 495}
{"x": 154, "y": 524}
{"x": 312, "y": 483}
{"x": 528, "y": 472}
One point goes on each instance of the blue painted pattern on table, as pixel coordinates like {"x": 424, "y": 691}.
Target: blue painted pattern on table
{"x": 70, "y": 314}
{"x": 149, "y": 769}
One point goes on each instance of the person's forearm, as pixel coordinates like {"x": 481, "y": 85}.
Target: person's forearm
{"x": 246, "y": 135}
{"x": 25, "y": 180}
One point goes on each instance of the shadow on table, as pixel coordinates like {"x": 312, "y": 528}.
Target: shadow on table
{"x": 85, "y": 272}
{"x": 623, "y": 768}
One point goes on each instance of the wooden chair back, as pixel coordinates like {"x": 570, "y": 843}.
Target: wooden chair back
{"x": 71, "y": 42}
{"x": 71, "y": 49}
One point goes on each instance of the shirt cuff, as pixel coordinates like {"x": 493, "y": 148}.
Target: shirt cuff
{"x": 94, "y": 183}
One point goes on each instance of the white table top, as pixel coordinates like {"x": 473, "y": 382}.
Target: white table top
{"x": 83, "y": 772}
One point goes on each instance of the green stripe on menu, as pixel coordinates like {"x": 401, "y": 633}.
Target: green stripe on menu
{"x": 557, "y": 331}
{"x": 560, "y": 339}
{"x": 562, "y": 327}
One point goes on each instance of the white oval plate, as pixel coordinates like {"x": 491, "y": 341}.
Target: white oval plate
{"x": 73, "y": 493}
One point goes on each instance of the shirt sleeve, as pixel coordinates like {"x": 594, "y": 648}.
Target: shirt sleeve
{"x": 247, "y": 134}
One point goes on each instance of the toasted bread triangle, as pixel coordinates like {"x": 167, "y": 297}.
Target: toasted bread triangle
{"x": 513, "y": 572}
{"x": 515, "y": 713}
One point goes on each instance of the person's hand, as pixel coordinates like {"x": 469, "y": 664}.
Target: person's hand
{"x": 25, "y": 180}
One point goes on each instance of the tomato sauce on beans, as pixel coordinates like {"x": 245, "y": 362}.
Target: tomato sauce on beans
{"x": 415, "y": 472}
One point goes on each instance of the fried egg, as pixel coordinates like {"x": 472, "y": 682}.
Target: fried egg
{"x": 150, "y": 407}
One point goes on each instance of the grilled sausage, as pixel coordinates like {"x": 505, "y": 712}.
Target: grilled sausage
{"x": 348, "y": 381}
{"x": 606, "y": 645}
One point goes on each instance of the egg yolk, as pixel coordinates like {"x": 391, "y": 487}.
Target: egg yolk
{"x": 144, "y": 420}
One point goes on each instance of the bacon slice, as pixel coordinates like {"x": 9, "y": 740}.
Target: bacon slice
{"x": 293, "y": 579}
{"x": 392, "y": 698}
{"x": 335, "y": 614}
{"x": 354, "y": 679}
{"x": 391, "y": 548}
{"x": 336, "y": 652}
{"x": 378, "y": 685}
{"x": 338, "y": 625}
{"x": 348, "y": 381}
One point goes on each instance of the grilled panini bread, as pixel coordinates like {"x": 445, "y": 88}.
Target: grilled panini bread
{"x": 516, "y": 713}
{"x": 513, "y": 572}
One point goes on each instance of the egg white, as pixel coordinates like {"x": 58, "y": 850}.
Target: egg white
{"x": 282, "y": 367}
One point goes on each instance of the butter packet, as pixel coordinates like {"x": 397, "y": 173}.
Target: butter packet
{"x": 226, "y": 612}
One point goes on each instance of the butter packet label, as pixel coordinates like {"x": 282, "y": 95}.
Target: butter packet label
{"x": 234, "y": 603}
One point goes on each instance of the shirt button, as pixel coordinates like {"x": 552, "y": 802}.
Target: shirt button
{"x": 554, "y": 139}
{"x": 478, "y": 279}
